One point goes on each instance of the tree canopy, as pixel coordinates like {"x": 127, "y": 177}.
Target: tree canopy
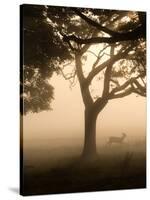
{"x": 43, "y": 52}
{"x": 55, "y": 36}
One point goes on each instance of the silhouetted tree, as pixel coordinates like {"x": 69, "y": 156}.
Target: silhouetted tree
{"x": 43, "y": 51}
{"x": 119, "y": 69}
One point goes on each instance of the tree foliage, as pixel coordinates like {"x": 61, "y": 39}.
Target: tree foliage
{"x": 54, "y": 36}
{"x": 43, "y": 52}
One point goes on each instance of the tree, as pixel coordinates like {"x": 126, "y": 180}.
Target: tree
{"x": 42, "y": 52}
{"x": 130, "y": 69}
{"x": 112, "y": 88}
{"x": 119, "y": 67}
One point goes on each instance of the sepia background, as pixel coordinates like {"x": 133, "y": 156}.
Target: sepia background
{"x": 64, "y": 124}
{"x": 9, "y": 178}
{"x": 55, "y": 148}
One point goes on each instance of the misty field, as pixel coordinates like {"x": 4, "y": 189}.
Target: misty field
{"x": 54, "y": 166}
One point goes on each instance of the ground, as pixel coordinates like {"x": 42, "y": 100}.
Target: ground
{"x": 116, "y": 167}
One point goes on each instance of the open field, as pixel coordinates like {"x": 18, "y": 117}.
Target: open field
{"x": 57, "y": 167}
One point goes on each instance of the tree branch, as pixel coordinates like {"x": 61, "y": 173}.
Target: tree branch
{"x": 122, "y": 94}
{"x": 67, "y": 76}
{"x": 107, "y": 75}
{"x": 87, "y": 46}
{"x": 115, "y": 82}
{"x": 109, "y": 62}
{"x": 139, "y": 92}
{"x": 140, "y": 89}
{"x": 139, "y": 86}
{"x": 123, "y": 86}
{"x": 139, "y": 32}
{"x": 95, "y": 24}
{"x": 87, "y": 99}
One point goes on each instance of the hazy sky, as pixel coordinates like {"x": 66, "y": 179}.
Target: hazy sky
{"x": 126, "y": 114}
{"x": 67, "y": 117}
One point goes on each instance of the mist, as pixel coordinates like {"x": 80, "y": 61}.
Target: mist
{"x": 54, "y": 134}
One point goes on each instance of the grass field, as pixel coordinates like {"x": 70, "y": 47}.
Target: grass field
{"x": 59, "y": 169}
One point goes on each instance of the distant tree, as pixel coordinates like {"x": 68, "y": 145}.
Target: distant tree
{"x": 119, "y": 69}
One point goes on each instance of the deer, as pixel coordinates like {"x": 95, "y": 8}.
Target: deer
{"x": 118, "y": 140}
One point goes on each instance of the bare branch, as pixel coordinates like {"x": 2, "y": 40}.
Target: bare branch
{"x": 109, "y": 62}
{"x": 122, "y": 94}
{"x": 93, "y": 53}
{"x": 115, "y": 81}
{"x": 139, "y": 86}
{"x": 65, "y": 65}
{"x": 143, "y": 81}
{"x": 130, "y": 83}
{"x": 68, "y": 76}
{"x": 99, "y": 56}
{"x": 107, "y": 75}
{"x": 123, "y": 86}
{"x": 139, "y": 92}
{"x": 127, "y": 92}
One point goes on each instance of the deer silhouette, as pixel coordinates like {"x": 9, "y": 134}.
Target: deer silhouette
{"x": 118, "y": 140}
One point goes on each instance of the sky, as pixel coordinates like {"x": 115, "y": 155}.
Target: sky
{"x": 66, "y": 119}
{"x": 57, "y": 133}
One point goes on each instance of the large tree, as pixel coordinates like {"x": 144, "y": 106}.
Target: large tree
{"x": 117, "y": 41}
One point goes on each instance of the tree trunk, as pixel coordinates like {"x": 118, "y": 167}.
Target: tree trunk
{"x": 89, "y": 149}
